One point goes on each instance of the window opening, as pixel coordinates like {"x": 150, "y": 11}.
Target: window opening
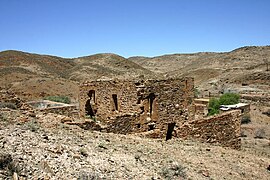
{"x": 115, "y": 102}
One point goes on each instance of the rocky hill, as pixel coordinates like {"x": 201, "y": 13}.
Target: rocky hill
{"x": 32, "y": 75}
{"x": 104, "y": 66}
{"x": 246, "y": 65}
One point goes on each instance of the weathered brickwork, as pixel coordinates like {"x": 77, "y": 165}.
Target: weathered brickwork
{"x": 70, "y": 110}
{"x": 139, "y": 106}
{"x": 156, "y": 109}
{"x": 223, "y": 129}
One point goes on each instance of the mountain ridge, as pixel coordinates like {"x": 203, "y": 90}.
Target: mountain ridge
{"x": 21, "y": 70}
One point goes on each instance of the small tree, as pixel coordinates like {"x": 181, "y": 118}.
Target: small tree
{"x": 229, "y": 98}
{"x": 225, "y": 99}
{"x": 213, "y": 106}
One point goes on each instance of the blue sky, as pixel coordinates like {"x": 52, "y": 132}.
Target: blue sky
{"x": 72, "y": 28}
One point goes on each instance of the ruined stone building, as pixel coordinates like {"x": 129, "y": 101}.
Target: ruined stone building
{"x": 139, "y": 106}
{"x": 155, "y": 108}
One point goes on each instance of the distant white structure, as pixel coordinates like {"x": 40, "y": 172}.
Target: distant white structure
{"x": 245, "y": 108}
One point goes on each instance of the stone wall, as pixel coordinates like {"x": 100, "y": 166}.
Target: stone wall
{"x": 223, "y": 129}
{"x": 70, "y": 110}
{"x": 156, "y": 109}
{"x": 10, "y": 97}
{"x": 139, "y": 106}
{"x": 201, "y": 111}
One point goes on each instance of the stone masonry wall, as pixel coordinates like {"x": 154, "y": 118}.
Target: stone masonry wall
{"x": 223, "y": 129}
{"x": 102, "y": 101}
{"x": 70, "y": 111}
{"x": 174, "y": 104}
{"x": 143, "y": 105}
{"x": 10, "y": 97}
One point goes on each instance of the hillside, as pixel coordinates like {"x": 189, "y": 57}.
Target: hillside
{"x": 242, "y": 58}
{"x": 105, "y": 66}
{"x": 33, "y": 76}
{"x": 213, "y": 72}
{"x": 226, "y": 70}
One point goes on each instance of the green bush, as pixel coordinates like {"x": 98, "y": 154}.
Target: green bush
{"x": 229, "y": 98}
{"x": 62, "y": 99}
{"x": 213, "y": 107}
{"x": 225, "y": 99}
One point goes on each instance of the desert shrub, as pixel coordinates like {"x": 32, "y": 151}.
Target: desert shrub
{"x": 174, "y": 171}
{"x": 88, "y": 176}
{"x": 242, "y": 134}
{"x": 8, "y": 105}
{"x": 3, "y": 117}
{"x": 83, "y": 152}
{"x": 5, "y": 160}
{"x": 7, "y": 163}
{"x": 62, "y": 99}
{"x": 225, "y": 99}
{"x": 33, "y": 125}
{"x": 260, "y": 134}
{"x": 245, "y": 119}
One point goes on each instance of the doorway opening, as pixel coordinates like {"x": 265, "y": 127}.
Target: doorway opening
{"x": 89, "y": 111}
{"x": 170, "y": 131}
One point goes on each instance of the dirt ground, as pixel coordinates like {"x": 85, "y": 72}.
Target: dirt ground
{"x": 43, "y": 147}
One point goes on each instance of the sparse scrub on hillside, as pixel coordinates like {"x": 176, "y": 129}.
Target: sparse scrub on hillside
{"x": 33, "y": 125}
{"x": 62, "y": 99}
{"x": 225, "y": 99}
{"x": 260, "y": 134}
{"x": 9, "y": 165}
{"x": 174, "y": 171}
{"x": 245, "y": 119}
{"x": 8, "y": 105}
{"x": 3, "y": 117}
